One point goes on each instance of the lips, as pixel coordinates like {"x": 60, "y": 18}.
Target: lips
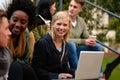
{"x": 16, "y": 31}
{"x": 61, "y": 32}
{"x": 70, "y": 12}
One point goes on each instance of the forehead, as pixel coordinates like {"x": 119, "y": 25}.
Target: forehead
{"x": 53, "y": 4}
{"x": 4, "y": 21}
{"x": 73, "y": 2}
{"x": 20, "y": 14}
{"x": 63, "y": 20}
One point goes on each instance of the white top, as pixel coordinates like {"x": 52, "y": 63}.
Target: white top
{"x": 74, "y": 23}
{"x": 4, "y": 4}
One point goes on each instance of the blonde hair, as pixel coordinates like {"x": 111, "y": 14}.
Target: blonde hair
{"x": 61, "y": 15}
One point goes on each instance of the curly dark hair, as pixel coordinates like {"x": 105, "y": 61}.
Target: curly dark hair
{"x": 26, "y": 6}
{"x": 44, "y": 8}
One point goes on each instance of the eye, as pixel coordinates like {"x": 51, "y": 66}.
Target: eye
{"x": 65, "y": 25}
{"x": 75, "y": 6}
{"x": 14, "y": 19}
{"x": 59, "y": 24}
{"x": 23, "y": 22}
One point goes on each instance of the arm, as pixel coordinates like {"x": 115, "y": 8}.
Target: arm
{"x": 36, "y": 33}
{"x": 39, "y": 62}
{"x": 79, "y": 33}
{"x": 39, "y": 31}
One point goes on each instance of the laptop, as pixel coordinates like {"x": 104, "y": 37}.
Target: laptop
{"x": 89, "y": 65}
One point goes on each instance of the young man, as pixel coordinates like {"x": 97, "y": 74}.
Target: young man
{"x": 5, "y": 55}
{"x": 79, "y": 39}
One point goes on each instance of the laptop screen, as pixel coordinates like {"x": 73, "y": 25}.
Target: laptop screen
{"x": 89, "y": 65}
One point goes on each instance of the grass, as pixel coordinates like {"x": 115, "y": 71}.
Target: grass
{"x": 115, "y": 75}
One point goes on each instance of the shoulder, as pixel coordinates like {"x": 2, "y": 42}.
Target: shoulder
{"x": 80, "y": 18}
{"x": 81, "y": 21}
{"x": 66, "y": 43}
{"x": 45, "y": 39}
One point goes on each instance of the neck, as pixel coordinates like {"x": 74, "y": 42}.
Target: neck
{"x": 73, "y": 19}
{"x": 58, "y": 42}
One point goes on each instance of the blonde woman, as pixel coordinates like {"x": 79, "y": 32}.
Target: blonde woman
{"x": 51, "y": 52}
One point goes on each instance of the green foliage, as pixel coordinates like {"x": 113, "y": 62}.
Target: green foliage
{"x": 34, "y": 1}
{"x": 66, "y": 4}
{"x": 101, "y": 38}
{"x": 114, "y": 24}
{"x": 115, "y": 75}
{"x": 92, "y": 23}
{"x": 110, "y": 5}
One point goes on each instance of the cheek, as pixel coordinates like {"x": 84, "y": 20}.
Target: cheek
{"x": 24, "y": 27}
{"x": 2, "y": 40}
{"x": 67, "y": 29}
{"x": 11, "y": 25}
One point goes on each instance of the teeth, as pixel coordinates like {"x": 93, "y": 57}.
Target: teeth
{"x": 16, "y": 29}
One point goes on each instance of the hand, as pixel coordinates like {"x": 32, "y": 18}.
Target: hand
{"x": 65, "y": 75}
{"x": 90, "y": 42}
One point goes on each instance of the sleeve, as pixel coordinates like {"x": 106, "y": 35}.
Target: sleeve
{"x": 85, "y": 33}
{"x": 5, "y": 60}
{"x": 39, "y": 31}
{"x": 79, "y": 39}
{"x": 36, "y": 33}
{"x": 39, "y": 61}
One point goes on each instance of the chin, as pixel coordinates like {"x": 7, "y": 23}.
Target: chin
{"x": 61, "y": 35}
{"x": 3, "y": 46}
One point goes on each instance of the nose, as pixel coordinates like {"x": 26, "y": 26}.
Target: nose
{"x": 9, "y": 32}
{"x": 71, "y": 7}
{"x": 61, "y": 27}
{"x": 18, "y": 24}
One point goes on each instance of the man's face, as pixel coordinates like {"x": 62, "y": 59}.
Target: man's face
{"x": 4, "y": 32}
{"x": 74, "y": 8}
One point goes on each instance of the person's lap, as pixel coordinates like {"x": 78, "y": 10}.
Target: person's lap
{"x": 73, "y": 55}
{"x": 20, "y": 71}
{"x": 75, "y": 52}
{"x": 97, "y": 47}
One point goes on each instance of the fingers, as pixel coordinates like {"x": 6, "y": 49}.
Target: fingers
{"x": 65, "y": 75}
{"x": 90, "y": 42}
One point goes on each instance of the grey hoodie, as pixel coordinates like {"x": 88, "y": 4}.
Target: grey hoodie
{"x": 5, "y": 60}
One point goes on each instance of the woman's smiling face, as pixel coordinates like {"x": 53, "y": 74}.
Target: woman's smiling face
{"x": 18, "y": 22}
{"x": 61, "y": 27}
